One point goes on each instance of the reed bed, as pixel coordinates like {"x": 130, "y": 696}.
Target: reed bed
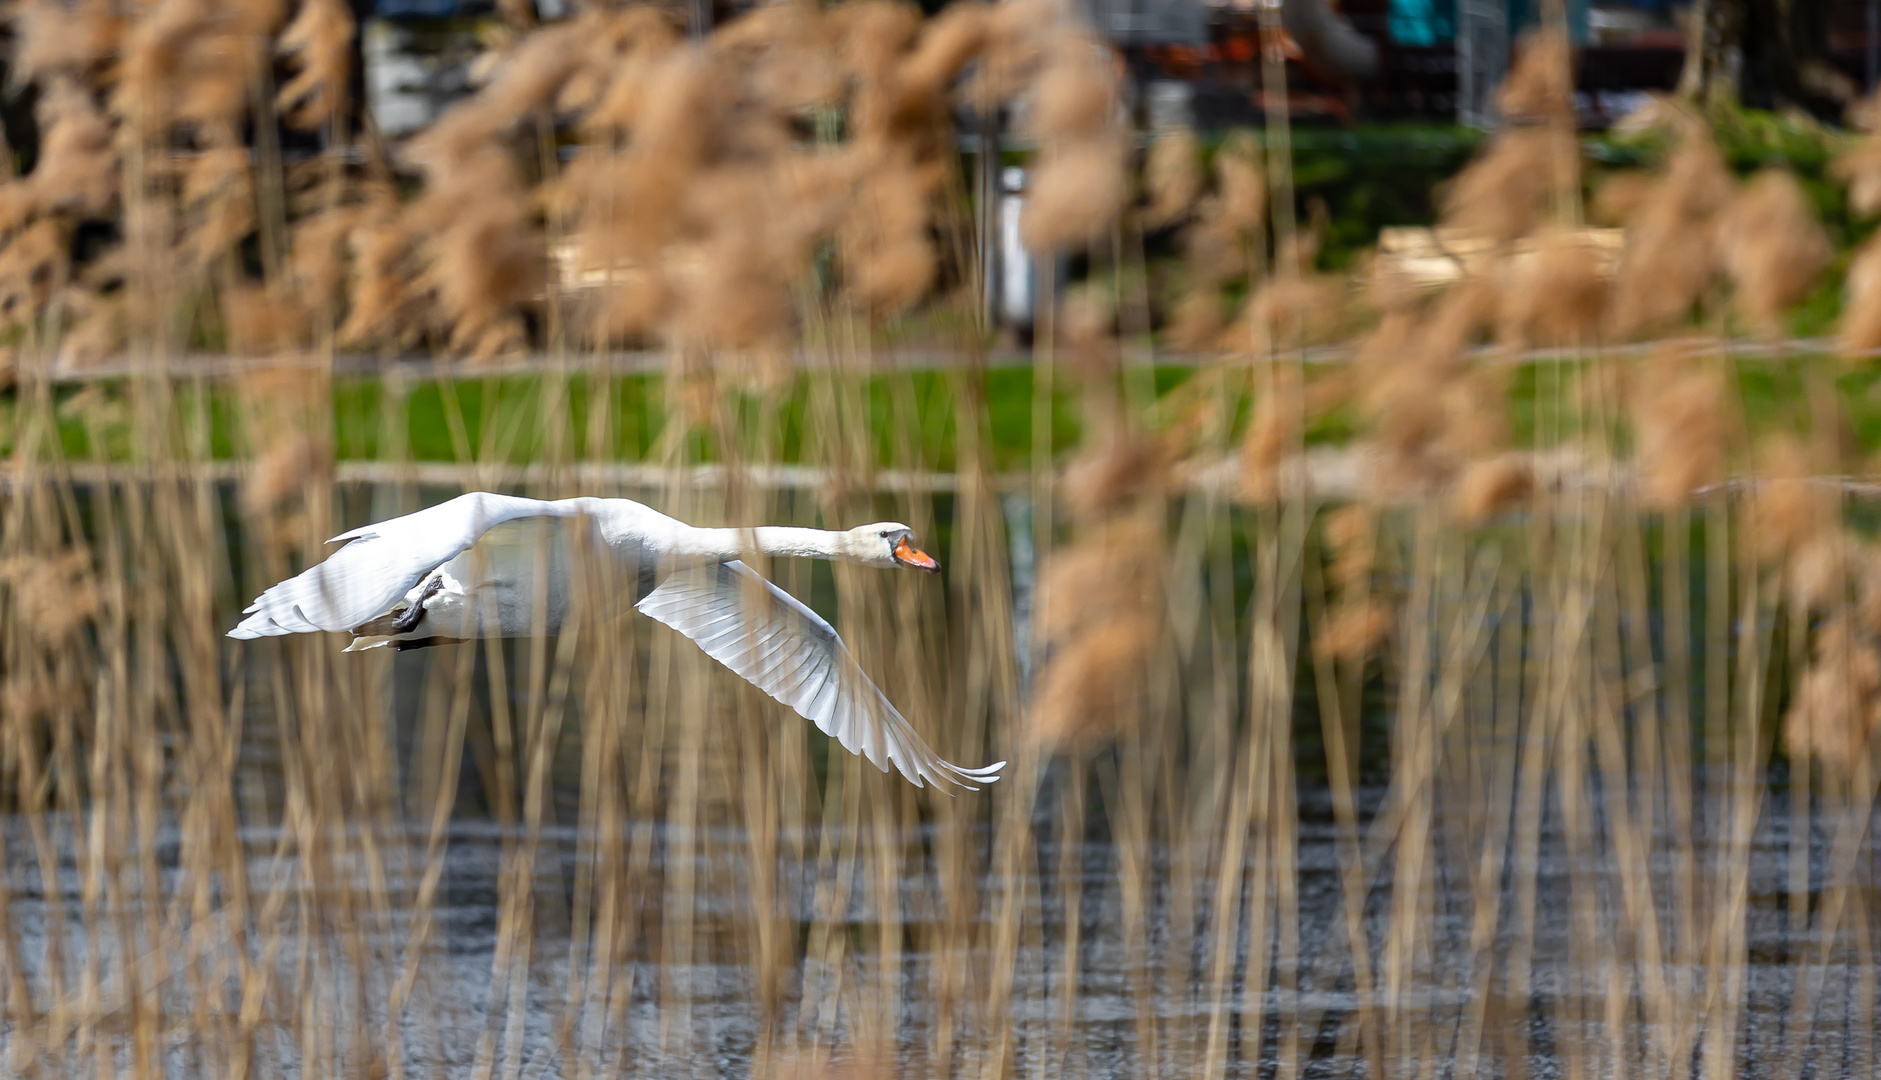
{"x": 1434, "y": 706}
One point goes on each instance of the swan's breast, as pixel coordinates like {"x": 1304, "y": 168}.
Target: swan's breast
{"x": 521, "y": 577}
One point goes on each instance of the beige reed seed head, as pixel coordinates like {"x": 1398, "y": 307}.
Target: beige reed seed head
{"x": 1273, "y": 437}
{"x": 1074, "y": 193}
{"x": 1461, "y": 319}
{"x": 1384, "y": 348}
{"x": 1288, "y": 313}
{"x": 316, "y": 262}
{"x": 1679, "y": 427}
{"x": 1476, "y": 416}
{"x": 1432, "y": 409}
{"x": 1794, "y": 503}
{"x": 634, "y": 49}
{"x": 947, "y": 43}
{"x": 1101, "y": 612}
{"x": 483, "y": 257}
{"x": 77, "y": 167}
{"x": 1859, "y": 330}
{"x": 1671, "y": 253}
{"x": 219, "y": 207}
{"x": 1821, "y": 571}
{"x": 1241, "y": 184}
{"x": 1085, "y": 333}
{"x": 1864, "y": 114}
{"x": 76, "y": 39}
{"x": 1021, "y": 34}
{"x": 1212, "y": 249}
{"x": 1540, "y": 84}
{"x": 194, "y": 64}
{"x": 1388, "y": 287}
{"x": 1196, "y": 323}
{"x": 1557, "y": 292}
{"x": 34, "y": 263}
{"x": 795, "y": 68}
{"x": 1096, "y": 687}
{"x": 1864, "y": 563}
{"x": 1115, "y": 566}
{"x": 1836, "y": 710}
{"x": 54, "y": 596}
{"x": 1773, "y": 247}
{"x": 260, "y": 321}
{"x": 318, "y": 45}
{"x": 1352, "y": 537}
{"x": 1504, "y": 192}
{"x": 1618, "y": 198}
{"x": 903, "y": 70}
{"x": 1490, "y": 486}
{"x": 873, "y": 37}
{"x": 99, "y": 325}
{"x": 284, "y": 470}
{"x": 1859, "y": 167}
{"x": 383, "y": 296}
{"x": 1172, "y": 177}
{"x": 1115, "y": 472}
{"x": 1664, "y": 114}
{"x": 1087, "y": 315}
{"x": 1356, "y": 631}
{"x": 1076, "y": 96}
{"x": 889, "y": 259}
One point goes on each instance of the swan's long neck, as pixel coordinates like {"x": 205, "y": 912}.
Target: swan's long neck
{"x": 723, "y": 545}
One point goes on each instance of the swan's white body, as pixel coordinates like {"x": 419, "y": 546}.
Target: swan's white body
{"x": 484, "y": 565}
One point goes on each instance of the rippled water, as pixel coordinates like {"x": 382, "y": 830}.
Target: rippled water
{"x": 701, "y": 1018}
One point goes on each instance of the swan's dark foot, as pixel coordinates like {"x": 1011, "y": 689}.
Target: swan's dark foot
{"x": 425, "y": 643}
{"x": 406, "y": 621}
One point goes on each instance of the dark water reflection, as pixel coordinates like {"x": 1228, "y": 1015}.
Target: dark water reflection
{"x": 720, "y": 1021}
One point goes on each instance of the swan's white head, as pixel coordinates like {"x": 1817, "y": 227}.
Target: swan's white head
{"x": 889, "y": 544}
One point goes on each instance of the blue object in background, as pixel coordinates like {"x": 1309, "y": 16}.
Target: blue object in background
{"x": 429, "y": 9}
{"x": 1422, "y": 22}
{"x": 1525, "y": 15}
{"x": 1433, "y": 22}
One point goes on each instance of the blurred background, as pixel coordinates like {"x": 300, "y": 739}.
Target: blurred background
{"x": 1403, "y": 471}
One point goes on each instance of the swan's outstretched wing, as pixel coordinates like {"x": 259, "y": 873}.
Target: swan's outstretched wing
{"x": 383, "y": 562}
{"x": 789, "y": 652}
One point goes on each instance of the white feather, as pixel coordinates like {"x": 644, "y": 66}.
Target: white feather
{"x": 790, "y": 652}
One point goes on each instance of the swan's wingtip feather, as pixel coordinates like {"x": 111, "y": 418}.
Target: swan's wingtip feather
{"x": 985, "y": 773}
{"x": 256, "y": 626}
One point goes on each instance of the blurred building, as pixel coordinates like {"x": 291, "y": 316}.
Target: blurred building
{"x": 1409, "y": 59}
{"x": 1442, "y": 59}
{"x": 1199, "y": 60}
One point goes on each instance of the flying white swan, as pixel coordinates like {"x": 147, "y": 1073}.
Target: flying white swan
{"x": 469, "y": 568}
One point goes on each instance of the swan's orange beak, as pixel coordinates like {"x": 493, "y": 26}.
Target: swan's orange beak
{"x": 908, "y": 555}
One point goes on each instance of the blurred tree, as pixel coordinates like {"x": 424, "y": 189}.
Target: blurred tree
{"x": 1762, "y": 53}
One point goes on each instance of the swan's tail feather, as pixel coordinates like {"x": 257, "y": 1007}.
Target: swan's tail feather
{"x": 260, "y": 624}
